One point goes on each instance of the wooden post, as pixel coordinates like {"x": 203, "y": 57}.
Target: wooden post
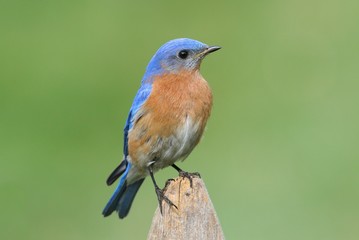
{"x": 195, "y": 218}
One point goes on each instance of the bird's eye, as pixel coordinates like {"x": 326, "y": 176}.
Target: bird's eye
{"x": 183, "y": 54}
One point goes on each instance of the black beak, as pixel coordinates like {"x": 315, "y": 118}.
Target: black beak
{"x": 211, "y": 49}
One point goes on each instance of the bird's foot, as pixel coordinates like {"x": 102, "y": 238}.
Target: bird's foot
{"x": 161, "y": 196}
{"x": 189, "y": 176}
{"x": 168, "y": 182}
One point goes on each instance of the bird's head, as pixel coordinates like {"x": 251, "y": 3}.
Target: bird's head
{"x": 177, "y": 55}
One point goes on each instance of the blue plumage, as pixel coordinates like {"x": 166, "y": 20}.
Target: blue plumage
{"x": 140, "y": 98}
{"x": 165, "y": 61}
{"x": 146, "y": 154}
{"x": 127, "y": 198}
{"x": 123, "y": 196}
{"x": 117, "y": 195}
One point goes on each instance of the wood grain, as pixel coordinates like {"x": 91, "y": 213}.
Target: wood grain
{"x": 195, "y": 217}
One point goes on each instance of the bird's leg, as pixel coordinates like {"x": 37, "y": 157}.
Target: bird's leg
{"x": 185, "y": 174}
{"x": 159, "y": 192}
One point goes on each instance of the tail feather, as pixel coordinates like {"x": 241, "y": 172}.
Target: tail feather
{"x": 117, "y": 172}
{"x": 127, "y": 198}
{"x": 114, "y": 200}
{"x": 123, "y": 196}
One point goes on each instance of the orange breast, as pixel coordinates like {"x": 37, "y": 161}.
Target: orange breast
{"x": 174, "y": 97}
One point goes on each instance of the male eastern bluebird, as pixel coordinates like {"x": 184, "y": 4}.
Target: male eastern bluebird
{"x": 166, "y": 120}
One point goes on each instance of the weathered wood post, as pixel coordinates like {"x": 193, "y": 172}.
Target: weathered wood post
{"x": 195, "y": 217}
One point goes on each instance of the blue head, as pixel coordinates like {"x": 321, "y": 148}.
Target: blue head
{"x": 178, "y": 55}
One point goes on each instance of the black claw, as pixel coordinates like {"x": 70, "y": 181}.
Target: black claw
{"x": 161, "y": 197}
{"x": 189, "y": 176}
{"x": 168, "y": 182}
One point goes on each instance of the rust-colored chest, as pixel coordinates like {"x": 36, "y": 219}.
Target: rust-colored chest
{"x": 172, "y": 120}
{"x": 175, "y": 96}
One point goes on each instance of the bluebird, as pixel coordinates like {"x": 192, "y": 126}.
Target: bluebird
{"x": 166, "y": 120}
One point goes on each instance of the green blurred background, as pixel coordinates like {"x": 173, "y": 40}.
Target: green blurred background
{"x": 280, "y": 154}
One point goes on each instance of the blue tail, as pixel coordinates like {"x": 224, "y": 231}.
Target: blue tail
{"x": 123, "y": 196}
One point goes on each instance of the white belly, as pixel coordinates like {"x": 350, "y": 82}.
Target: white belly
{"x": 176, "y": 147}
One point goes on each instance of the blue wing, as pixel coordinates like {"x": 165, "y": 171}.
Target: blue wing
{"x": 124, "y": 194}
{"x": 141, "y": 97}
